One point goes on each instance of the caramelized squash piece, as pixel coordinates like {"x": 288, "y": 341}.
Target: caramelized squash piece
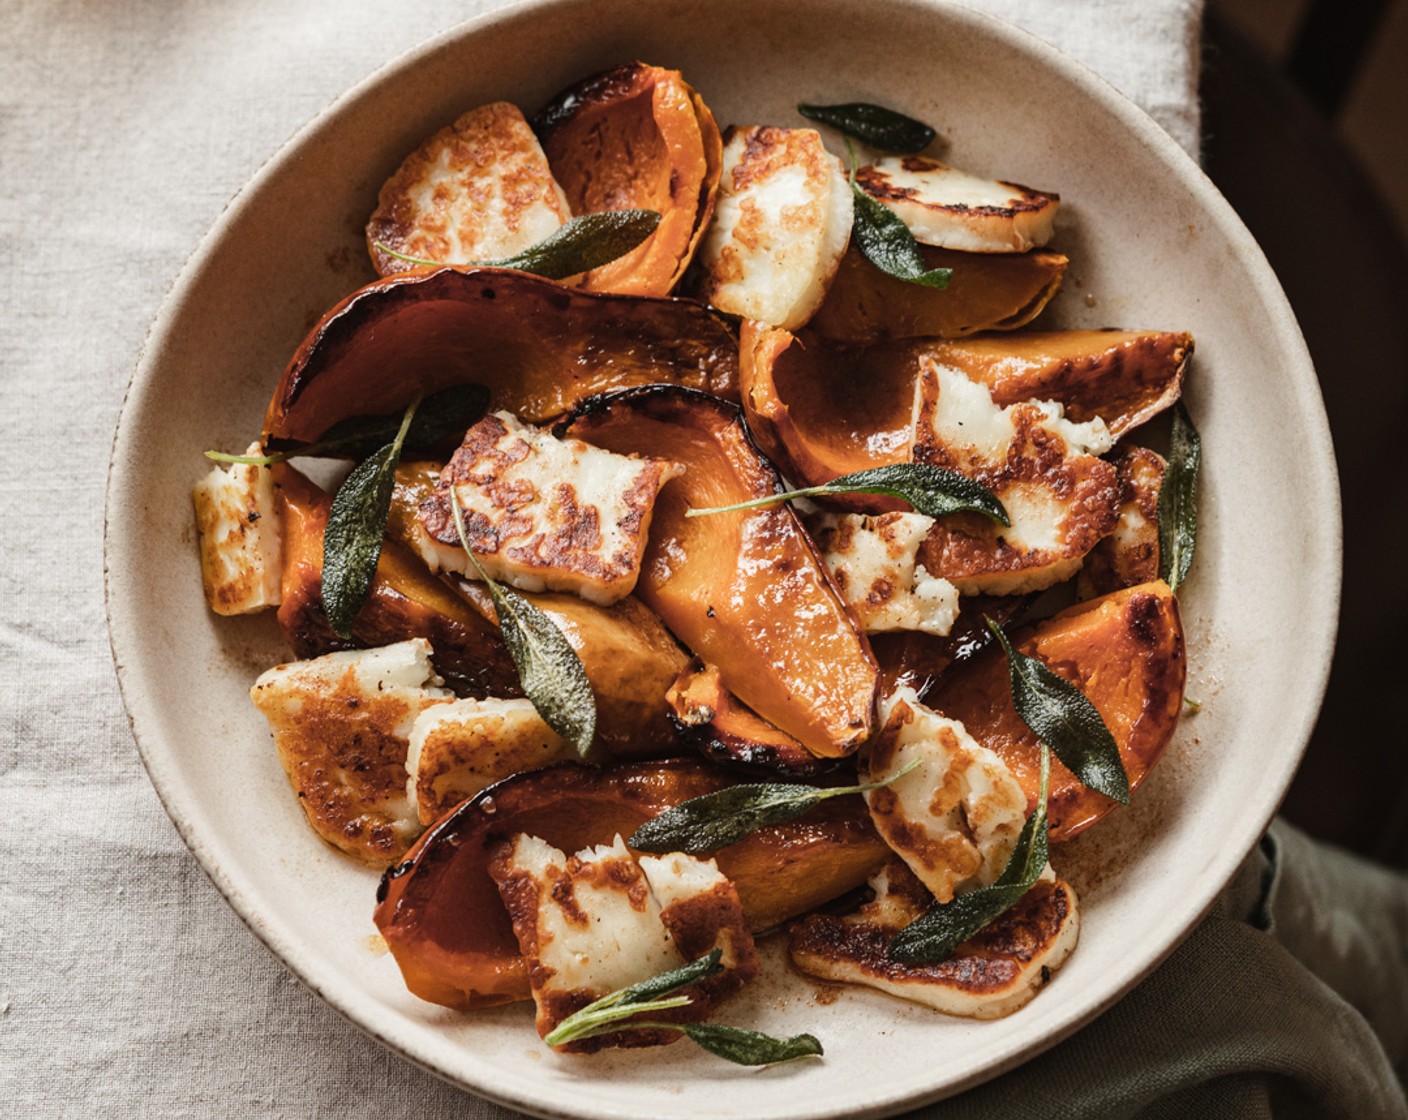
{"x": 917, "y": 660}
{"x": 440, "y": 912}
{"x": 1124, "y": 651}
{"x": 537, "y": 346}
{"x": 637, "y": 137}
{"x": 745, "y": 591}
{"x": 988, "y": 292}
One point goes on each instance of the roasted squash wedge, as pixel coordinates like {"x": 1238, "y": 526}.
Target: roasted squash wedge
{"x": 537, "y": 346}
{"x": 917, "y": 660}
{"x": 1124, "y": 651}
{"x": 745, "y": 591}
{"x": 440, "y": 912}
{"x": 637, "y": 137}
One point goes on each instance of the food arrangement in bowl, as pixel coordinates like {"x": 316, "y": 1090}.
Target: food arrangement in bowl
{"x": 725, "y": 554}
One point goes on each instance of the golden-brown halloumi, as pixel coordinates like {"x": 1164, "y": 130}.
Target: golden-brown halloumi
{"x": 781, "y": 225}
{"x": 1130, "y": 554}
{"x": 952, "y": 209}
{"x": 241, "y": 540}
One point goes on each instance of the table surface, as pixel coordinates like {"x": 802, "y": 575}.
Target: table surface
{"x": 127, "y": 986}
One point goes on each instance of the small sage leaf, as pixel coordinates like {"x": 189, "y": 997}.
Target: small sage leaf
{"x": 874, "y": 125}
{"x": 1178, "y": 499}
{"x": 1063, "y": 718}
{"x": 716, "y": 820}
{"x": 935, "y": 934}
{"x": 549, "y": 669}
{"x": 670, "y": 982}
{"x": 648, "y": 995}
{"x": 932, "y": 491}
{"x": 752, "y": 1048}
{"x": 355, "y": 530}
{"x": 885, "y": 241}
{"x": 594, "y": 1020}
{"x": 578, "y": 245}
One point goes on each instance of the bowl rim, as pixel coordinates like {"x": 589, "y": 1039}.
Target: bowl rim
{"x": 1317, "y": 627}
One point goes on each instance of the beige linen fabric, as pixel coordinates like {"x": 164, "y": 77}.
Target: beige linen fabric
{"x": 127, "y": 986}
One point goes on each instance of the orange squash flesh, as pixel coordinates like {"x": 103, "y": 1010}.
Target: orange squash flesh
{"x": 440, "y": 912}
{"x": 1124, "y": 651}
{"x": 637, "y": 137}
{"x": 988, "y": 291}
{"x": 744, "y": 591}
{"x": 537, "y": 346}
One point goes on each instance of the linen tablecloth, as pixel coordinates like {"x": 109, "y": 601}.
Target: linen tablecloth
{"x": 127, "y": 986}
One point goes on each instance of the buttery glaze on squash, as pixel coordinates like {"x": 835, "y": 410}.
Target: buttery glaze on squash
{"x": 744, "y": 591}
{"x": 440, "y": 912}
{"x": 917, "y": 660}
{"x": 537, "y": 346}
{"x": 637, "y": 137}
{"x": 1124, "y": 651}
{"x": 988, "y": 292}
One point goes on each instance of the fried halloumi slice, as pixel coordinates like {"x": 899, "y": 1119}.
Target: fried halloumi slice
{"x": 478, "y": 190}
{"x": 1060, "y": 498}
{"x": 458, "y": 749}
{"x": 342, "y": 723}
{"x": 1129, "y": 556}
{"x": 955, "y": 818}
{"x": 990, "y": 975}
{"x": 781, "y": 226}
{"x": 952, "y": 209}
{"x": 544, "y": 514}
{"x": 873, "y": 561}
{"x": 598, "y": 921}
{"x": 241, "y": 539}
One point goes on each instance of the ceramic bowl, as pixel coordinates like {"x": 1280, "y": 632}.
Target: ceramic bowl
{"x": 1152, "y": 244}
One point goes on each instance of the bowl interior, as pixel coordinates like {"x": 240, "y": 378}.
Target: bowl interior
{"x": 1152, "y": 245}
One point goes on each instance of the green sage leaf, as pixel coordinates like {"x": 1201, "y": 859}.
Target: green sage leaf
{"x": 356, "y": 528}
{"x": 648, "y": 995}
{"x": 716, "y": 820}
{"x": 932, "y": 491}
{"x": 874, "y": 125}
{"x": 1178, "y": 499}
{"x": 549, "y": 669}
{"x": 752, "y": 1048}
{"x": 1063, "y": 718}
{"x": 935, "y": 934}
{"x": 578, "y": 245}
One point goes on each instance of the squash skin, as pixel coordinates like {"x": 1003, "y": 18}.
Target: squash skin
{"x": 745, "y": 591}
{"x": 1124, "y": 651}
{"x": 637, "y": 137}
{"x": 440, "y": 913}
{"x": 539, "y": 348}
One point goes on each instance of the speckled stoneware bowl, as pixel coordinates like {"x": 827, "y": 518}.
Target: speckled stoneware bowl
{"x": 1152, "y": 245}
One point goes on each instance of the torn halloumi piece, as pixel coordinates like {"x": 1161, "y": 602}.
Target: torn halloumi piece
{"x": 458, "y": 749}
{"x": 873, "y": 562}
{"x": 955, "y": 818}
{"x": 780, "y": 228}
{"x": 595, "y": 922}
{"x": 1060, "y": 497}
{"x": 990, "y": 975}
{"x": 478, "y": 190}
{"x": 342, "y": 723}
{"x": 241, "y": 539}
{"x": 544, "y": 514}
{"x": 952, "y": 209}
{"x": 1129, "y": 556}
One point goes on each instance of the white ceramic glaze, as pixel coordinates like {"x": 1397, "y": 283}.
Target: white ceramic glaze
{"x": 1153, "y": 245}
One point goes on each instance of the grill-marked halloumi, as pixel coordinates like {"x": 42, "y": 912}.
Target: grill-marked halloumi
{"x": 955, "y": 818}
{"x": 542, "y": 513}
{"x": 241, "y": 540}
{"x": 952, "y": 209}
{"x": 781, "y": 225}
{"x": 1129, "y": 556}
{"x": 597, "y": 921}
{"x": 342, "y": 723}
{"x": 873, "y": 560}
{"x": 478, "y": 190}
{"x": 990, "y": 975}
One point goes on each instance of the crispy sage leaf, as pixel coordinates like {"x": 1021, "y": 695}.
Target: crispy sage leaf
{"x": 932, "y": 491}
{"x": 356, "y": 527}
{"x": 1178, "y": 499}
{"x": 716, "y": 820}
{"x": 935, "y": 934}
{"x": 874, "y": 125}
{"x": 578, "y": 245}
{"x": 548, "y": 667}
{"x": 648, "y": 995}
{"x": 752, "y": 1048}
{"x": 1063, "y": 718}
